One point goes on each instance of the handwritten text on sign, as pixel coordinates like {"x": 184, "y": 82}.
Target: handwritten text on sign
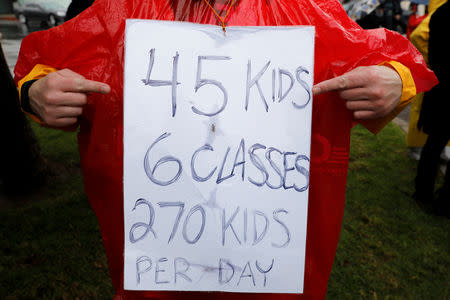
{"x": 216, "y": 156}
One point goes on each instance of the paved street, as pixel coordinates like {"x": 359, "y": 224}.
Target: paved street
{"x": 11, "y": 34}
{"x": 11, "y": 51}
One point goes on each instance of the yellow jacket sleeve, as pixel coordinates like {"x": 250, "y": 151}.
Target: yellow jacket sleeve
{"x": 37, "y": 72}
{"x": 408, "y": 93}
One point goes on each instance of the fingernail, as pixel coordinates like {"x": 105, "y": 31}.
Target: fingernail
{"x": 315, "y": 90}
{"x": 106, "y": 89}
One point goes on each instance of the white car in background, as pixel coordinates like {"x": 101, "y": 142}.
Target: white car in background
{"x": 43, "y": 13}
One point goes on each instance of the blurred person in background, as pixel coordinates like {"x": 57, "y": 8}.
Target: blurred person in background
{"x": 434, "y": 117}
{"x": 392, "y": 12}
{"x": 418, "y": 14}
{"x": 416, "y": 138}
{"x": 76, "y": 7}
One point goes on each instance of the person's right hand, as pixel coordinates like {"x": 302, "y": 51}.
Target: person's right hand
{"x": 59, "y": 97}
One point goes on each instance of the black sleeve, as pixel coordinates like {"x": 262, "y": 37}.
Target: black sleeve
{"x": 24, "y": 98}
{"x": 397, "y": 7}
{"x": 437, "y": 43}
{"x": 76, "y": 7}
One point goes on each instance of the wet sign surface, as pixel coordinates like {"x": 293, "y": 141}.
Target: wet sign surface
{"x": 216, "y": 156}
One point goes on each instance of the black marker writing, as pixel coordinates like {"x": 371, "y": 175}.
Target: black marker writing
{"x": 247, "y": 273}
{"x": 158, "y": 270}
{"x": 229, "y": 224}
{"x": 180, "y": 206}
{"x": 285, "y": 228}
{"x": 259, "y": 237}
{"x": 178, "y": 263}
{"x": 282, "y": 95}
{"x": 151, "y": 171}
{"x": 222, "y": 279}
{"x": 147, "y": 226}
{"x": 156, "y": 83}
{"x": 258, "y": 164}
{"x": 264, "y": 271}
{"x": 194, "y": 156}
{"x": 141, "y": 261}
{"x": 255, "y": 81}
{"x": 200, "y": 209}
{"x": 202, "y": 81}
{"x": 305, "y": 85}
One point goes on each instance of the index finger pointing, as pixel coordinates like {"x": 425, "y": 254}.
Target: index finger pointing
{"x": 333, "y": 84}
{"x": 353, "y": 79}
{"x": 90, "y": 86}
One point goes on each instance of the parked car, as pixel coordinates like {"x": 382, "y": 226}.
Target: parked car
{"x": 41, "y": 13}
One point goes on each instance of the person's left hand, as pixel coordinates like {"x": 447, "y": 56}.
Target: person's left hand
{"x": 370, "y": 92}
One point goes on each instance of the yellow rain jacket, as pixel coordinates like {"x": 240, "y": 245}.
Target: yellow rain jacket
{"x": 419, "y": 38}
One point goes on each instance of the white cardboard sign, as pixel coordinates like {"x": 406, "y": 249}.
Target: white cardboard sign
{"x": 217, "y": 132}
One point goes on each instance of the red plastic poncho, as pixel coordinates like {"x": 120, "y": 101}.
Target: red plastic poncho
{"x": 93, "y": 45}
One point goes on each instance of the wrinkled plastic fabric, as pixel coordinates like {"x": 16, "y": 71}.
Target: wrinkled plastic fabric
{"x": 92, "y": 44}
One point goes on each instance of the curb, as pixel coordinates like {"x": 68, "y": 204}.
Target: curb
{"x": 8, "y": 17}
{"x": 402, "y": 124}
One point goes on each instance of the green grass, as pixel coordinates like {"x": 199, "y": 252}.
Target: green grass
{"x": 389, "y": 247}
{"x": 51, "y": 247}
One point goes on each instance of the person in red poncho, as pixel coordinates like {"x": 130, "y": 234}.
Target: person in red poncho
{"x": 73, "y": 74}
{"x": 414, "y": 20}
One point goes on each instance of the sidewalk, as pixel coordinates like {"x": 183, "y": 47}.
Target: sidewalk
{"x": 10, "y": 27}
{"x": 11, "y": 34}
{"x": 11, "y": 50}
{"x": 8, "y": 17}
